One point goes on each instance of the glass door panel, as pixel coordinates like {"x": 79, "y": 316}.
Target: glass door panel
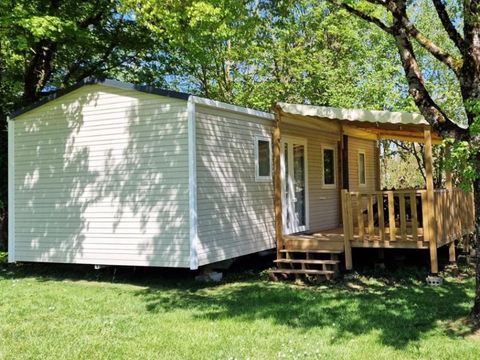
{"x": 299, "y": 184}
{"x": 294, "y": 185}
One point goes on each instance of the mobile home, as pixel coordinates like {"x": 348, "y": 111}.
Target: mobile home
{"x": 110, "y": 173}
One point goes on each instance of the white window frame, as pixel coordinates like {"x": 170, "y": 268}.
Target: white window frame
{"x": 259, "y": 178}
{"x": 334, "y": 185}
{"x": 362, "y": 152}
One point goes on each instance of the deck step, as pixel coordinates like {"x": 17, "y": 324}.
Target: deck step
{"x": 304, "y": 271}
{"x": 312, "y": 251}
{"x": 307, "y": 261}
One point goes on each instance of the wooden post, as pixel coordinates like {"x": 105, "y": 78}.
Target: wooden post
{"x": 449, "y": 185}
{"x": 340, "y": 175}
{"x": 430, "y": 219}
{"x": 347, "y": 228}
{"x": 378, "y": 180}
{"x": 346, "y": 177}
{"x": 452, "y": 258}
{"x": 448, "y": 174}
{"x": 277, "y": 183}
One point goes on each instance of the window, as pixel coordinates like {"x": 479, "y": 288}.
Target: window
{"x": 329, "y": 173}
{"x": 263, "y": 159}
{"x": 362, "y": 180}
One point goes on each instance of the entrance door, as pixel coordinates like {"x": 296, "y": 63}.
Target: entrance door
{"x": 294, "y": 185}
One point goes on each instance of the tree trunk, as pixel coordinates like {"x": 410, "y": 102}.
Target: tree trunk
{"x": 470, "y": 88}
{"x": 39, "y": 70}
{"x": 476, "y": 189}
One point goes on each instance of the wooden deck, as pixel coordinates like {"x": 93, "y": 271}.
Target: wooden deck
{"x": 333, "y": 239}
{"x": 388, "y": 220}
{"x": 316, "y": 240}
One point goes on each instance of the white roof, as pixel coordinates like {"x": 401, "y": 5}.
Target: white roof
{"x": 372, "y": 116}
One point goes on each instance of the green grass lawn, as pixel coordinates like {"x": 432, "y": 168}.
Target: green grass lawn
{"x": 69, "y": 313}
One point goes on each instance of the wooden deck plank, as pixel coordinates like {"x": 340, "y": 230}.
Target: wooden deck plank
{"x": 307, "y": 261}
{"x": 313, "y": 251}
{"x": 390, "y": 245}
{"x": 326, "y": 241}
{"x": 304, "y": 271}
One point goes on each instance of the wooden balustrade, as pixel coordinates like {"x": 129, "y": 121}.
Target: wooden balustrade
{"x": 454, "y": 214}
{"x": 396, "y": 218}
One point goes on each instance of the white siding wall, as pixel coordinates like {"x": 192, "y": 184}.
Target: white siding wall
{"x": 356, "y": 145}
{"x": 235, "y": 213}
{"x": 323, "y": 202}
{"x": 101, "y": 177}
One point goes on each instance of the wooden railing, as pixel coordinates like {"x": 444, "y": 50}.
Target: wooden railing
{"x": 454, "y": 215}
{"x": 386, "y": 218}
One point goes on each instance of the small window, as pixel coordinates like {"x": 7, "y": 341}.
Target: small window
{"x": 263, "y": 159}
{"x": 362, "y": 180}
{"x": 329, "y": 167}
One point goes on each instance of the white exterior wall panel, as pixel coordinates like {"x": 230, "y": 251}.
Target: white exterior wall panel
{"x": 101, "y": 177}
{"x": 235, "y": 212}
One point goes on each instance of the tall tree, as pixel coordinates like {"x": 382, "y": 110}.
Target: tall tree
{"x": 254, "y": 53}
{"x": 461, "y": 56}
{"x": 46, "y": 45}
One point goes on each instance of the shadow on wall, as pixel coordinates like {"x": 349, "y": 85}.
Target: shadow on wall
{"x": 92, "y": 188}
{"x": 150, "y": 183}
{"x": 50, "y": 199}
{"x": 235, "y": 212}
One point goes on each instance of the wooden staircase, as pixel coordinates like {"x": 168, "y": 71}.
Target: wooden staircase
{"x": 314, "y": 255}
{"x": 322, "y": 264}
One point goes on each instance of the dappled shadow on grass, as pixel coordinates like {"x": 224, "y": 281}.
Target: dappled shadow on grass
{"x": 397, "y": 310}
{"x": 143, "y": 276}
{"x": 399, "y": 313}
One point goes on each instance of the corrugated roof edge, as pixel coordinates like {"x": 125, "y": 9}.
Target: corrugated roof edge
{"x": 350, "y": 114}
{"x": 106, "y": 82}
{"x": 362, "y": 115}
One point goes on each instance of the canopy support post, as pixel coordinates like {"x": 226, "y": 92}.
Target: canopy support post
{"x": 452, "y": 258}
{"x": 276, "y": 143}
{"x": 429, "y": 222}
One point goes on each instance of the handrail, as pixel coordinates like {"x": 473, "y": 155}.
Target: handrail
{"x": 398, "y": 215}
{"x": 372, "y": 192}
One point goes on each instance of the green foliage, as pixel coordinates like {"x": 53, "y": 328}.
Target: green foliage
{"x": 255, "y": 53}
{"x": 400, "y": 170}
{"x": 441, "y": 81}
{"x": 248, "y": 52}
{"x": 462, "y": 158}
{"x": 461, "y": 161}
{"x": 86, "y": 39}
{"x": 473, "y": 107}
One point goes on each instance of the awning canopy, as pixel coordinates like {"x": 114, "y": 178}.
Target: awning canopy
{"x": 372, "y": 124}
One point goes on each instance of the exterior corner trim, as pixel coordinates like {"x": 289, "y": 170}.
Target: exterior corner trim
{"x": 11, "y": 190}
{"x": 192, "y": 183}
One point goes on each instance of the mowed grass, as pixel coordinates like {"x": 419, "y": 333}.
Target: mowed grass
{"x": 76, "y": 313}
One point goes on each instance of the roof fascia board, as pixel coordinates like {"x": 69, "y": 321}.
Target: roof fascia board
{"x": 234, "y": 108}
{"x": 108, "y": 82}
